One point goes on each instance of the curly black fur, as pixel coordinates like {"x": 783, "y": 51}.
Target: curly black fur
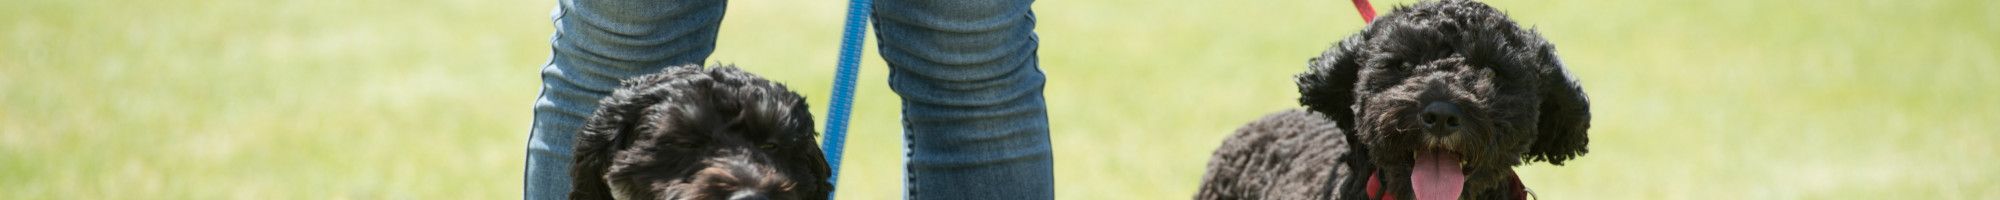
{"x": 1520, "y": 105}
{"x": 694, "y": 133}
{"x": 1247, "y": 166}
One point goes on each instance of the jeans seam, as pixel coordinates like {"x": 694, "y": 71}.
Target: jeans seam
{"x": 527, "y": 175}
{"x": 909, "y": 154}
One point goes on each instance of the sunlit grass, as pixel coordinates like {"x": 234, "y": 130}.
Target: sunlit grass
{"x": 376, "y": 99}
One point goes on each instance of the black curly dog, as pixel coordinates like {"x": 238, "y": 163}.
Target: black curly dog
{"x": 1439, "y": 100}
{"x": 694, "y": 133}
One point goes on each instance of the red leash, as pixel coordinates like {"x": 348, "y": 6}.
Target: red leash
{"x": 1367, "y": 12}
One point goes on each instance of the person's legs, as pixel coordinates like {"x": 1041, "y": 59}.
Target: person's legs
{"x": 596, "y": 44}
{"x": 975, "y": 123}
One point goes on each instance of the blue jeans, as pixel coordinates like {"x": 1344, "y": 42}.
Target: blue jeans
{"x": 974, "y": 121}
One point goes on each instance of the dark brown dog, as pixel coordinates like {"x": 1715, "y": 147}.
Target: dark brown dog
{"x": 1439, "y": 100}
{"x": 694, "y": 133}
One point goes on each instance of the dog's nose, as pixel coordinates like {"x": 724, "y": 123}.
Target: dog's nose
{"x": 1442, "y": 117}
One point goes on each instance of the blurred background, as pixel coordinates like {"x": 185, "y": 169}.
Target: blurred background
{"x": 380, "y": 99}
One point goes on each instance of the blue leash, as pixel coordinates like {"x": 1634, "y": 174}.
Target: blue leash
{"x": 843, "y": 87}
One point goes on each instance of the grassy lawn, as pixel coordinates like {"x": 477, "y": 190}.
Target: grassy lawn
{"x": 379, "y": 99}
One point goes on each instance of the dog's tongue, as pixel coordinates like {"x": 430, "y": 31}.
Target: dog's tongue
{"x": 1437, "y": 176}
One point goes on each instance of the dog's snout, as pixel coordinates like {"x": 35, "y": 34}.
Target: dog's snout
{"x": 1442, "y": 117}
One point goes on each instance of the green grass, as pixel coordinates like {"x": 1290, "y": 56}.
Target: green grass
{"x": 378, "y": 99}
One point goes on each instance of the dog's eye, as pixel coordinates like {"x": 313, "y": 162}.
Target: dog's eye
{"x": 767, "y": 146}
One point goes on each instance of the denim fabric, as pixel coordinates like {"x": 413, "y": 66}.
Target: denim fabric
{"x": 975, "y": 123}
{"x": 596, "y": 44}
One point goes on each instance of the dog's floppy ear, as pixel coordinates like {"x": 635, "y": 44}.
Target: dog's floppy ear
{"x": 1565, "y": 111}
{"x": 606, "y": 130}
{"x": 808, "y": 155}
{"x": 1328, "y": 84}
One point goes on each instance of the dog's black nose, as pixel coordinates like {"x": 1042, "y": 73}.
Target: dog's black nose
{"x": 1442, "y": 117}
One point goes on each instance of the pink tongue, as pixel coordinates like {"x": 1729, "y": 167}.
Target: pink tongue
{"x": 1437, "y": 176}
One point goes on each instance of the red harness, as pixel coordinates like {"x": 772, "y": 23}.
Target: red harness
{"x": 1375, "y": 187}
